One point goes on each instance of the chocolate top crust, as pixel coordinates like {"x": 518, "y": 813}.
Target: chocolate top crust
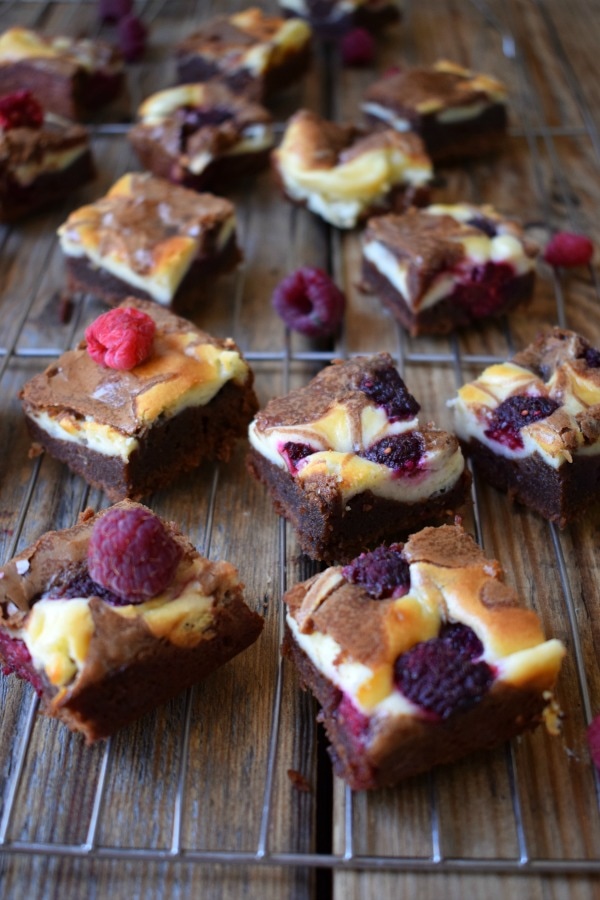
{"x": 554, "y": 348}
{"x": 62, "y": 55}
{"x": 129, "y": 401}
{"x": 30, "y": 145}
{"x": 427, "y": 90}
{"x": 227, "y": 39}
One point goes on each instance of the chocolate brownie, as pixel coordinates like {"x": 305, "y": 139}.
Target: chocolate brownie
{"x": 347, "y": 463}
{"x": 100, "y": 653}
{"x": 149, "y": 238}
{"x": 446, "y": 267}
{"x": 332, "y": 18}
{"x": 532, "y": 425}
{"x": 202, "y": 135}
{"x": 460, "y": 114}
{"x": 344, "y": 174}
{"x": 69, "y": 76}
{"x": 418, "y": 655}
{"x": 131, "y": 432}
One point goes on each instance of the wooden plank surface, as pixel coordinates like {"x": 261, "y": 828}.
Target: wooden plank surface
{"x": 233, "y": 755}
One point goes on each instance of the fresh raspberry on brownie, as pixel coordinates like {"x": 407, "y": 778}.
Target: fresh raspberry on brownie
{"x": 102, "y": 650}
{"x": 418, "y": 655}
{"x": 175, "y": 398}
{"x": 334, "y": 18}
{"x": 532, "y": 425}
{"x": 348, "y": 464}
{"x": 344, "y": 174}
{"x": 447, "y": 266}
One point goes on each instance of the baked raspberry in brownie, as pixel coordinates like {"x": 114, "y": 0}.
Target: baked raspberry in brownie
{"x": 348, "y": 464}
{"x": 344, "y": 174}
{"x": 116, "y": 615}
{"x": 333, "y": 18}
{"x": 460, "y": 114}
{"x": 147, "y": 397}
{"x": 445, "y": 267}
{"x": 69, "y": 76}
{"x": 202, "y": 135}
{"x": 253, "y": 53}
{"x": 532, "y": 425}
{"x": 149, "y": 238}
{"x": 43, "y": 158}
{"x": 418, "y": 655}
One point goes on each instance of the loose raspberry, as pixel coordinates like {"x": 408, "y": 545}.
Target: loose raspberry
{"x": 132, "y": 554}
{"x": 121, "y": 338}
{"x": 309, "y": 302}
{"x": 358, "y": 47}
{"x": 593, "y": 736}
{"x": 513, "y": 414}
{"x": 113, "y": 10}
{"x": 387, "y": 389}
{"x": 20, "y": 110}
{"x": 569, "y": 250}
{"x": 401, "y": 452}
{"x": 441, "y": 675}
{"x": 294, "y": 453}
{"x": 383, "y": 572}
{"x": 132, "y": 37}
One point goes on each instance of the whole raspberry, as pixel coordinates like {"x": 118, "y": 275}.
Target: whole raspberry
{"x": 132, "y": 554}
{"x": 20, "y": 110}
{"x": 387, "y": 389}
{"x": 309, "y": 302}
{"x": 121, "y": 338}
{"x": 593, "y": 736}
{"x": 383, "y": 572}
{"x": 513, "y": 414}
{"x": 401, "y": 452}
{"x": 113, "y": 10}
{"x": 358, "y": 47}
{"x": 442, "y": 676}
{"x": 569, "y": 250}
{"x": 132, "y": 37}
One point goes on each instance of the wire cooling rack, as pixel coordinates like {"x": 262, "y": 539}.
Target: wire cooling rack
{"x": 334, "y": 827}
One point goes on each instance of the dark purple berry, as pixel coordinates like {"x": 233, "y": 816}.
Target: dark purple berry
{"x": 132, "y": 554}
{"x": 592, "y": 357}
{"x": 113, "y": 10}
{"x": 81, "y": 585}
{"x": 309, "y": 302}
{"x": 485, "y": 292}
{"x": 442, "y": 675}
{"x": 382, "y": 573}
{"x": 387, "y": 389}
{"x": 358, "y": 47}
{"x": 293, "y": 453}
{"x": 513, "y": 414}
{"x": 401, "y": 452}
{"x": 132, "y": 37}
{"x": 488, "y": 226}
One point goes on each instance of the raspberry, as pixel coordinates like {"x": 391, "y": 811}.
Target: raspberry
{"x": 121, "y": 338}
{"x": 113, "y": 10}
{"x": 17, "y": 660}
{"x": 81, "y": 585}
{"x": 568, "y": 249}
{"x": 132, "y": 37}
{"x": 20, "y": 110}
{"x": 592, "y": 357}
{"x": 513, "y": 414}
{"x": 132, "y": 554}
{"x": 358, "y": 48}
{"x": 488, "y": 226}
{"x": 354, "y": 722}
{"x": 441, "y": 675}
{"x": 383, "y": 572}
{"x": 401, "y": 452}
{"x": 485, "y": 291}
{"x": 293, "y": 453}
{"x": 309, "y": 302}
{"x": 194, "y": 117}
{"x": 387, "y": 389}
{"x": 593, "y": 736}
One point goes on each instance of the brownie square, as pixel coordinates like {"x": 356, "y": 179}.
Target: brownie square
{"x": 348, "y": 464}
{"x": 333, "y": 18}
{"x": 252, "y": 53}
{"x": 202, "y": 135}
{"x": 149, "y": 238}
{"x": 532, "y": 425}
{"x": 460, "y": 114}
{"x": 69, "y": 76}
{"x": 133, "y": 432}
{"x": 418, "y": 655}
{"x": 446, "y": 267}
{"x": 98, "y": 659}
{"x": 344, "y": 174}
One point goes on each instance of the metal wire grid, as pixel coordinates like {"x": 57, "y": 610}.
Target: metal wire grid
{"x": 534, "y": 130}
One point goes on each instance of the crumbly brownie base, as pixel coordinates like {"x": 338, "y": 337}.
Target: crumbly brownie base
{"x": 17, "y": 200}
{"x": 169, "y": 449}
{"x": 83, "y": 277}
{"x": 405, "y": 746}
{"x": 333, "y": 531}
{"x": 561, "y": 495}
{"x": 446, "y": 315}
{"x": 72, "y": 98}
